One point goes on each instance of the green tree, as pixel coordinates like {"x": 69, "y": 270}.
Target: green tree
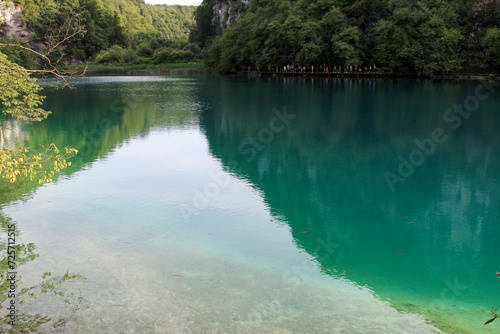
{"x": 343, "y": 38}
{"x": 204, "y": 29}
{"x": 15, "y": 54}
{"x": 116, "y": 54}
{"x": 491, "y": 44}
{"x": 18, "y": 92}
{"x": 364, "y": 14}
{"x": 420, "y": 38}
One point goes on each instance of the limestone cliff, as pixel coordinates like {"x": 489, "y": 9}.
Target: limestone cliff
{"x": 11, "y": 25}
{"x": 226, "y": 12}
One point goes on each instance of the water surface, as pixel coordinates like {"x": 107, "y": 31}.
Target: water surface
{"x": 231, "y": 204}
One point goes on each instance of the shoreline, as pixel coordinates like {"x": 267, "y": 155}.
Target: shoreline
{"x": 462, "y": 76}
{"x": 199, "y": 68}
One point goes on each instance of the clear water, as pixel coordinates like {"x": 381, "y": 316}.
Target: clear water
{"x": 209, "y": 204}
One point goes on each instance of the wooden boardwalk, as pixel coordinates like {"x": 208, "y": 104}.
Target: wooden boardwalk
{"x": 320, "y": 74}
{"x": 309, "y": 74}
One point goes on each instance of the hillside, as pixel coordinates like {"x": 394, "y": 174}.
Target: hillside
{"x": 172, "y": 22}
{"x": 127, "y": 30}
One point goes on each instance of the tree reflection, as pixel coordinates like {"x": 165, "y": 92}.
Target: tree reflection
{"x": 13, "y": 294}
{"x": 325, "y": 174}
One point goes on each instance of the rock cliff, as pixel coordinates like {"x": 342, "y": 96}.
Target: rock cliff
{"x": 226, "y": 12}
{"x": 11, "y": 25}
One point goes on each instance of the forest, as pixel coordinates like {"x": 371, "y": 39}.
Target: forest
{"x": 405, "y": 37}
{"x": 112, "y": 31}
{"x": 422, "y": 38}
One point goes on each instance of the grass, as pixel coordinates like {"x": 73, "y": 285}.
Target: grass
{"x": 180, "y": 68}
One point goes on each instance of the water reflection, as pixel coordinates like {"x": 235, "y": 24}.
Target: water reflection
{"x": 12, "y": 133}
{"x": 428, "y": 246}
{"x": 95, "y": 119}
{"x": 17, "y": 296}
{"x": 115, "y": 216}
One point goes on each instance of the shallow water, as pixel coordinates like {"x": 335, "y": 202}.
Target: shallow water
{"x": 208, "y": 204}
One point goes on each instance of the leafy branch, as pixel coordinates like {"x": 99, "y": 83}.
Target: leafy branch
{"x": 32, "y": 323}
{"x": 71, "y": 29}
{"x": 50, "y": 284}
{"x": 44, "y": 165}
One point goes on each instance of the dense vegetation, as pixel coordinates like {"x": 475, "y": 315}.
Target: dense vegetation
{"x": 116, "y": 31}
{"x": 400, "y": 36}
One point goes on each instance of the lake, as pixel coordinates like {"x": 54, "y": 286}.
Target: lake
{"x": 219, "y": 204}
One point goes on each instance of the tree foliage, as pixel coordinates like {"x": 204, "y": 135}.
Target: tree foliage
{"x": 421, "y": 37}
{"x": 19, "y": 93}
{"x": 204, "y": 29}
{"x": 491, "y": 44}
{"x": 150, "y": 49}
{"x": 27, "y": 163}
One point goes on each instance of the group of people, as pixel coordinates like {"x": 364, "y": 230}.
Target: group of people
{"x": 311, "y": 69}
{"x": 327, "y": 69}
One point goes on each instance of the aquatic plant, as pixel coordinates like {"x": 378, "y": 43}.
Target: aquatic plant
{"x": 495, "y": 315}
{"x": 493, "y": 310}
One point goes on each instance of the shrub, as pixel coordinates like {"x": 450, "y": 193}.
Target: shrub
{"x": 116, "y": 54}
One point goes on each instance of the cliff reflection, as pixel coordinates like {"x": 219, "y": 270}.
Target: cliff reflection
{"x": 324, "y": 173}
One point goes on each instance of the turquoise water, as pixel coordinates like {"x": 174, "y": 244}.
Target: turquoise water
{"x": 209, "y": 204}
